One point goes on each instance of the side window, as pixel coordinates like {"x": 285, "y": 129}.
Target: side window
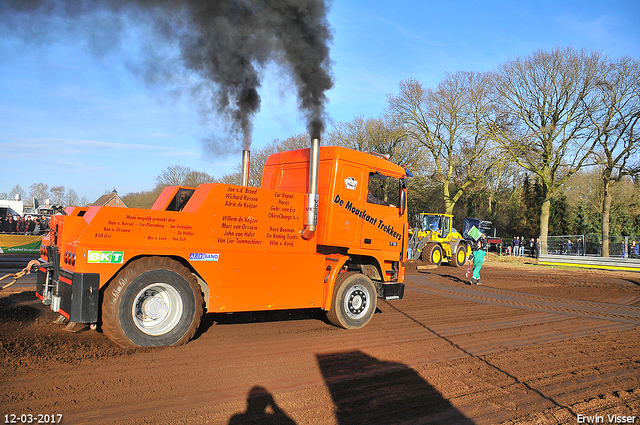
{"x": 383, "y": 190}
{"x": 180, "y": 200}
{"x": 446, "y": 227}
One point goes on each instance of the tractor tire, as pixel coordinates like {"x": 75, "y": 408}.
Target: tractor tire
{"x": 154, "y": 301}
{"x": 432, "y": 253}
{"x": 461, "y": 256}
{"x": 354, "y": 301}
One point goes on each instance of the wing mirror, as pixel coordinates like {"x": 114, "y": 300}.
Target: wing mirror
{"x": 403, "y": 202}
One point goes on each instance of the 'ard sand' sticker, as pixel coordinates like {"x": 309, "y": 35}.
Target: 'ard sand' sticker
{"x": 196, "y": 256}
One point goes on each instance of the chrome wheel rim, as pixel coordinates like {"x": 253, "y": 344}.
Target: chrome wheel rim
{"x": 356, "y": 302}
{"x": 157, "y": 309}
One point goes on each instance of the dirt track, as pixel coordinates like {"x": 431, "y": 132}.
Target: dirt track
{"x": 532, "y": 345}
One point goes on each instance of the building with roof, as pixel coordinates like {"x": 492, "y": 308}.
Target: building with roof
{"x": 110, "y": 200}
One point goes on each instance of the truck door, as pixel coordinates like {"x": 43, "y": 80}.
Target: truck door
{"x": 445, "y": 226}
{"x": 383, "y": 227}
{"x": 344, "y": 224}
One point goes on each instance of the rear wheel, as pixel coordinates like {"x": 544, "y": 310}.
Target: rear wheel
{"x": 154, "y": 301}
{"x": 354, "y": 301}
{"x": 461, "y": 256}
{"x": 432, "y": 253}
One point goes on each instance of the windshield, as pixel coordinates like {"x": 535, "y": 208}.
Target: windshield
{"x": 430, "y": 222}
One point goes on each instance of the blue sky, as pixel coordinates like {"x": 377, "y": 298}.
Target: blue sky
{"x": 80, "y": 118}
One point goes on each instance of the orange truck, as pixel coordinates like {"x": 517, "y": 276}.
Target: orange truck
{"x": 327, "y": 229}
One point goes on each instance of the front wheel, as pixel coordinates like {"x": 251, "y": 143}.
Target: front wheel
{"x": 461, "y": 256}
{"x": 354, "y": 301}
{"x": 154, "y": 301}
{"x": 432, "y": 254}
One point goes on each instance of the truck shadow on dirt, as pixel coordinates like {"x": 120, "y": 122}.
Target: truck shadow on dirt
{"x": 366, "y": 390}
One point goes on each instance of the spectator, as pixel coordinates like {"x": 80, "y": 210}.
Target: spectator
{"x": 22, "y": 225}
{"x": 36, "y": 228}
{"x": 569, "y": 246}
{"x": 532, "y": 248}
{"x": 579, "y": 244}
{"x": 9, "y": 225}
{"x": 516, "y": 245}
{"x": 634, "y": 249}
{"x": 44, "y": 223}
{"x": 31, "y": 225}
{"x": 521, "y": 247}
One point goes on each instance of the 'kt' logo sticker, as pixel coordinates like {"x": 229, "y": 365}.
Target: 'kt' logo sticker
{"x": 110, "y": 257}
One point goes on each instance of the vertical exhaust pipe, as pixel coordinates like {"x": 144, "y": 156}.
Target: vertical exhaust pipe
{"x": 245, "y": 166}
{"x": 311, "y": 208}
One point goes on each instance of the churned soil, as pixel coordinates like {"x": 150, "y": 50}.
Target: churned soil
{"x": 533, "y": 344}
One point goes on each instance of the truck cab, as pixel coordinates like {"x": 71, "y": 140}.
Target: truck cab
{"x": 362, "y": 205}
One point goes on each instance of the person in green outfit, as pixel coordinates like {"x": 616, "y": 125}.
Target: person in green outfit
{"x": 479, "y": 250}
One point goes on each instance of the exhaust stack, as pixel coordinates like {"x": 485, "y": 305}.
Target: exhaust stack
{"x": 311, "y": 208}
{"x": 245, "y": 166}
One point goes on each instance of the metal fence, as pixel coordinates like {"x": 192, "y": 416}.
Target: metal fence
{"x": 590, "y": 245}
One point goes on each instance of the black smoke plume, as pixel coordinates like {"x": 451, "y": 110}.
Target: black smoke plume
{"x": 225, "y": 43}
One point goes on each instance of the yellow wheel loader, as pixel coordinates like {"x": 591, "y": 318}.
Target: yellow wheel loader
{"x": 434, "y": 240}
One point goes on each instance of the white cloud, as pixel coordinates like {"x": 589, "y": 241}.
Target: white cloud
{"x": 66, "y": 146}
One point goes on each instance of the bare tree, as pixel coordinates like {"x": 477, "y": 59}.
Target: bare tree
{"x": 380, "y": 135}
{"x": 446, "y": 122}
{"x": 504, "y": 175}
{"x": 144, "y": 199}
{"x": 585, "y": 189}
{"x": 173, "y": 175}
{"x": 195, "y": 178}
{"x": 57, "y": 195}
{"x": 17, "y": 190}
{"x": 615, "y": 123}
{"x": 541, "y": 119}
{"x": 71, "y": 198}
{"x": 39, "y": 191}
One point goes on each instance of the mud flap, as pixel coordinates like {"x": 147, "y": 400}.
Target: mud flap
{"x": 392, "y": 291}
{"x": 79, "y": 297}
